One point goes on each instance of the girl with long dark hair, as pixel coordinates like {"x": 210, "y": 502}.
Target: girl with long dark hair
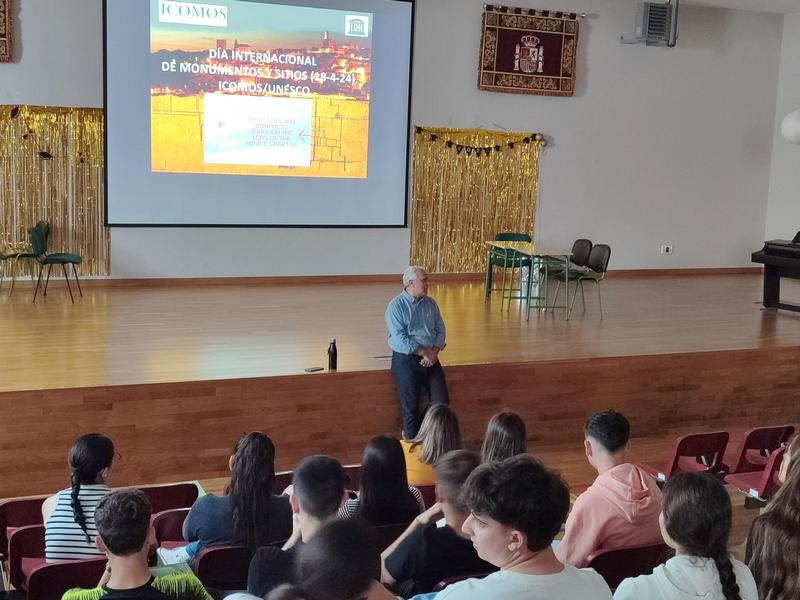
{"x": 696, "y": 523}
{"x": 385, "y": 496}
{"x": 249, "y": 513}
{"x": 69, "y": 515}
{"x": 773, "y": 546}
{"x": 506, "y": 436}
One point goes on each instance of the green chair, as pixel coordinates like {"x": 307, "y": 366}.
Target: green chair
{"x": 38, "y": 239}
{"x": 505, "y": 259}
{"x": 10, "y": 258}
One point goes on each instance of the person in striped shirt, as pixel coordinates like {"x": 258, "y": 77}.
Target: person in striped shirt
{"x": 70, "y": 529}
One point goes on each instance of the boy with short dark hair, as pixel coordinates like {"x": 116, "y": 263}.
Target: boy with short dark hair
{"x": 319, "y": 491}
{"x": 426, "y": 553}
{"x": 516, "y": 508}
{"x": 621, "y": 508}
{"x": 125, "y": 535}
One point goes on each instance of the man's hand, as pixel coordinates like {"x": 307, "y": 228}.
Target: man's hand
{"x": 431, "y": 515}
{"x": 430, "y": 356}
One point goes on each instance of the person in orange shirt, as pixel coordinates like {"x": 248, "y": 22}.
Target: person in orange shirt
{"x": 438, "y": 435}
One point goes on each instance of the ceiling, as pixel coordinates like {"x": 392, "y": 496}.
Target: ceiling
{"x": 771, "y": 6}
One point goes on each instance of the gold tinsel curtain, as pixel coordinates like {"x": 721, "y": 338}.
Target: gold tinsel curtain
{"x": 468, "y": 185}
{"x": 51, "y": 169}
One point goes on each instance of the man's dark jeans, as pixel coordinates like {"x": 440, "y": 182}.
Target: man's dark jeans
{"x": 410, "y": 379}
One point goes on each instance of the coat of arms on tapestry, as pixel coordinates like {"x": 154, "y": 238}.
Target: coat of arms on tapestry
{"x": 528, "y": 51}
{"x": 5, "y": 30}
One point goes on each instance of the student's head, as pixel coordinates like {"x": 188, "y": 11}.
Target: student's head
{"x": 319, "y": 486}
{"x": 774, "y": 541}
{"x": 384, "y": 496}
{"x": 606, "y": 436}
{"x": 415, "y": 281}
{"x": 341, "y": 562}
{"x": 696, "y": 520}
{"x": 505, "y": 437}
{"x": 452, "y": 470}
{"x": 123, "y": 523}
{"x": 516, "y": 508}
{"x": 252, "y": 478}
{"x": 438, "y": 434}
{"x": 90, "y": 459}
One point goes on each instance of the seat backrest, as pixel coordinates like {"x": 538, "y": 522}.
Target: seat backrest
{"x": 25, "y": 542}
{"x": 619, "y": 564}
{"x": 707, "y": 448}
{"x": 352, "y": 476}
{"x": 18, "y": 512}
{"x": 760, "y": 442}
{"x": 38, "y": 241}
{"x": 512, "y": 236}
{"x": 599, "y": 257}
{"x": 580, "y": 251}
{"x": 223, "y": 567}
{"x": 172, "y": 495}
{"x": 428, "y": 494}
{"x": 168, "y": 524}
{"x": 51, "y": 580}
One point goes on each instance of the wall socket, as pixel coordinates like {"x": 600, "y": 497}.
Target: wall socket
{"x": 666, "y": 248}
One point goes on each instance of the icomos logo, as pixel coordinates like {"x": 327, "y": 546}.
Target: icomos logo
{"x": 190, "y": 13}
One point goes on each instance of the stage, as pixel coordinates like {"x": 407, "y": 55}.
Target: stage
{"x": 174, "y": 373}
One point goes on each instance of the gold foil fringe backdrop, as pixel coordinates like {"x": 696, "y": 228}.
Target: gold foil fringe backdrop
{"x": 468, "y": 185}
{"x": 51, "y": 169}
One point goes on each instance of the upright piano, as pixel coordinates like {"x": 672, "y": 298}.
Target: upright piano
{"x": 781, "y": 258}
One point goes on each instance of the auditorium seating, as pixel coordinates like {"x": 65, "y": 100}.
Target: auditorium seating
{"x": 428, "y": 494}
{"x": 170, "y": 495}
{"x": 168, "y": 526}
{"x": 621, "y": 563}
{"x": 49, "y": 581}
{"x": 692, "y": 453}
{"x": 15, "y": 513}
{"x": 25, "y": 554}
{"x": 759, "y": 485}
{"x": 224, "y": 567}
{"x": 757, "y": 445}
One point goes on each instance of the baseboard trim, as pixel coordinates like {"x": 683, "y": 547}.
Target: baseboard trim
{"x": 111, "y": 282}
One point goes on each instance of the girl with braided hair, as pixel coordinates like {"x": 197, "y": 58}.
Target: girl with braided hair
{"x": 695, "y": 522}
{"x": 773, "y": 546}
{"x": 69, "y": 515}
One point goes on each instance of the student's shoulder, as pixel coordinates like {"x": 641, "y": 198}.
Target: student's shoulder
{"x": 591, "y": 580}
{"x": 181, "y": 586}
{"x": 83, "y": 594}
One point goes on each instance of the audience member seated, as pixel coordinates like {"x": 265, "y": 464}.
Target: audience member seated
{"x": 506, "y": 436}
{"x": 621, "y": 507}
{"x": 126, "y": 537}
{"x": 319, "y": 491}
{"x": 438, "y": 435}
{"x": 696, "y": 523}
{"x": 248, "y": 514}
{"x": 427, "y": 553}
{"x": 516, "y": 508}
{"x": 341, "y": 562}
{"x": 773, "y": 546}
{"x": 69, "y": 515}
{"x": 384, "y": 497}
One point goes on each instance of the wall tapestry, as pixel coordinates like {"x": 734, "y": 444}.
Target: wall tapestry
{"x": 5, "y": 30}
{"x": 527, "y": 51}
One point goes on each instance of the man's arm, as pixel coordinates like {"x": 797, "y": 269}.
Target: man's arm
{"x": 581, "y": 533}
{"x": 421, "y": 520}
{"x": 399, "y": 340}
{"x": 439, "y": 328}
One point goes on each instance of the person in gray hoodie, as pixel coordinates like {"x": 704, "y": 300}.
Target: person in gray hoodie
{"x": 696, "y": 523}
{"x": 621, "y": 508}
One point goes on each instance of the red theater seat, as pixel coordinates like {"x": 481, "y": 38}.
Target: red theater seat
{"x": 25, "y": 551}
{"x": 16, "y": 513}
{"x": 168, "y": 525}
{"x": 756, "y": 447}
{"x": 49, "y": 581}
{"x": 760, "y": 485}
{"x": 170, "y": 495}
{"x": 621, "y": 563}
{"x": 694, "y": 453}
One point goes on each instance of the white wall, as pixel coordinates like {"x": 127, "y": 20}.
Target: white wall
{"x": 783, "y": 212}
{"x": 657, "y": 145}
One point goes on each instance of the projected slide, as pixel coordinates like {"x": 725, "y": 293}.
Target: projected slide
{"x": 250, "y": 88}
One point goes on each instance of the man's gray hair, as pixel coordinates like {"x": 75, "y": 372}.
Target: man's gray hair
{"x": 410, "y": 274}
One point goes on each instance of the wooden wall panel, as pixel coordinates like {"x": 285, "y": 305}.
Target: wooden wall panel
{"x": 178, "y": 431}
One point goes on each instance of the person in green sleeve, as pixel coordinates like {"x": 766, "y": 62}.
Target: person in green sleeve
{"x": 126, "y": 537}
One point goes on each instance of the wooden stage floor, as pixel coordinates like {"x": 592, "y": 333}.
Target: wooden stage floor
{"x": 158, "y": 334}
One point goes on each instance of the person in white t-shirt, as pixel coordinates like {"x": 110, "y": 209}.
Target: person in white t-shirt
{"x": 516, "y": 508}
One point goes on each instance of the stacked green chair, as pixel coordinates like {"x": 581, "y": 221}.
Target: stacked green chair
{"x": 38, "y": 239}
{"x": 507, "y": 260}
{"x": 597, "y": 266}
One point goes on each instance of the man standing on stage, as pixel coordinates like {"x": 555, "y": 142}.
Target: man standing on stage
{"x": 416, "y": 336}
